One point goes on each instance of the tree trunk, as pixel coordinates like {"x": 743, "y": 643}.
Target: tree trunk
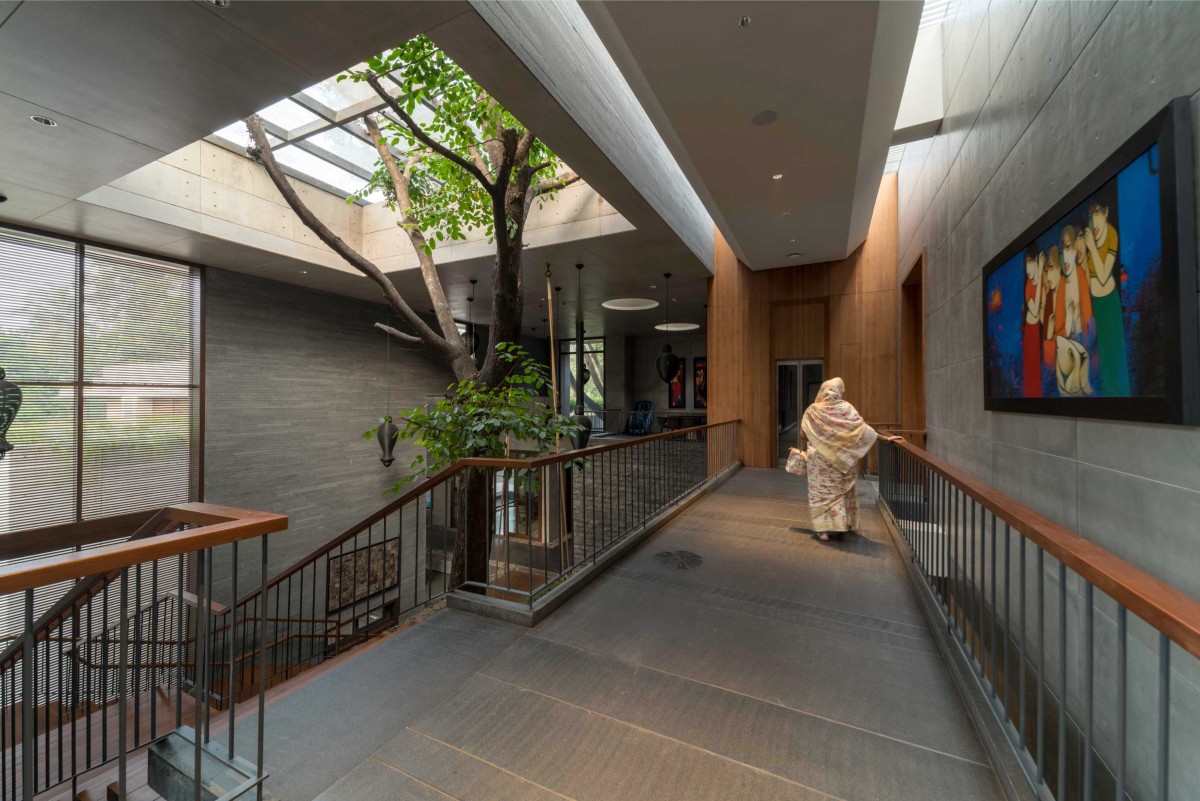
{"x": 475, "y": 518}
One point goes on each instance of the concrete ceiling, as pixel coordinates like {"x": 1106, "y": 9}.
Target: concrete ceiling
{"x": 131, "y": 82}
{"x": 828, "y": 75}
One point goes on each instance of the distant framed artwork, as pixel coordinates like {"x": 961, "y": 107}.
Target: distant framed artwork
{"x": 700, "y": 382}
{"x": 1091, "y": 312}
{"x": 358, "y": 574}
{"x": 677, "y": 388}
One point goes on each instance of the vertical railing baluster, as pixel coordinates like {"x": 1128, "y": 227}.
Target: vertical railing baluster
{"x": 232, "y": 655}
{"x": 262, "y": 662}
{"x": 1088, "y": 700}
{"x": 1021, "y": 648}
{"x": 123, "y": 692}
{"x": 28, "y": 738}
{"x": 201, "y": 627}
{"x": 1122, "y": 707}
{"x": 1041, "y": 666}
{"x": 1007, "y": 617}
{"x": 1062, "y": 679}
{"x": 1164, "y": 716}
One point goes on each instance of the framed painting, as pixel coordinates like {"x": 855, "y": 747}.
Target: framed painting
{"x": 1091, "y": 312}
{"x": 700, "y": 382}
{"x": 361, "y": 573}
{"x": 677, "y": 389}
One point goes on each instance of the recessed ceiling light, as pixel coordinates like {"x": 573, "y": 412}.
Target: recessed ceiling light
{"x": 304, "y": 272}
{"x": 40, "y": 120}
{"x": 791, "y": 240}
{"x": 794, "y": 255}
{"x": 744, "y": 22}
{"x": 3, "y": 198}
{"x": 777, "y": 176}
{"x": 220, "y": 3}
{"x": 677, "y": 326}
{"x": 765, "y": 117}
{"x": 786, "y": 214}
{"x": 630, "y": 304}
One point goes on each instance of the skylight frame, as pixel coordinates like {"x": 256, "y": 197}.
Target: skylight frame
{"x": 326, "y": 119}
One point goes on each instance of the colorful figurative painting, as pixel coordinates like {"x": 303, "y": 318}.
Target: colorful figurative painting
{"x": 1080, "y": 311}
{"x": 700, "y": 382}
{"x": 677, "y": 389}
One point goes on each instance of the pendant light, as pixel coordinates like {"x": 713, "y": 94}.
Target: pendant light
{"x": 385, "y": 435}
{"x": 667, "y": 363}
{"x": 471, "y": 338}
{"x": 583, "y": 423}
{"x": 10, "y": 404}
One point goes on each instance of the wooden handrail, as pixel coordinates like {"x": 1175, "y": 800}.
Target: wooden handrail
{"x": 218, "y": 525}
{"x": 425, "y": 485}
{"x": 1165, "y": 608}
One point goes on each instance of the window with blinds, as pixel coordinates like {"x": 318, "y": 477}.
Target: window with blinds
{"x": 104, "y": 346}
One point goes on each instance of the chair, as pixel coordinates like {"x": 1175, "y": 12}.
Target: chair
{"x": 640, "y": 419}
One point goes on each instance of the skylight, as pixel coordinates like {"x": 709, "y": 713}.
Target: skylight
{"x": 318, "y": 136}
{"x": 935, "y": 12}
{"x": 895, "y": 154}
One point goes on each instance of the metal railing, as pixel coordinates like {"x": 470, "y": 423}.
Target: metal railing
{"x": 125, "y": 657}
{"x": 1088, "y": 662}
{"x": 510, "y": 528}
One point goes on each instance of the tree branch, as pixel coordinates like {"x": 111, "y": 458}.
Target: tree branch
{"x": 478, "y": 158}
{"x": 426, "y": 139}
{"x": 261, "y": 152}
{"x": 433, "y": 282}
{"x": 555, "y": 184}
{"x": 397, "y": 333}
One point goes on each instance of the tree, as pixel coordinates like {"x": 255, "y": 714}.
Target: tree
{"x": 473, "y": 166}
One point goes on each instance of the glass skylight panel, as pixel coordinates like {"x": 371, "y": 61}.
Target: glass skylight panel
{"x": 935, "y": 12}
{"x": 895, "y": 154}
{"x": 288, "y": 114}
{"x": 237, "y": 134}
{"x": 343, "y": 144}
{"x": 341, "y": 95}
{"x": 319, "y": 169}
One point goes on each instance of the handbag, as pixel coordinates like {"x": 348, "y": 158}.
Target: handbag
{"x": 797, "y": 464}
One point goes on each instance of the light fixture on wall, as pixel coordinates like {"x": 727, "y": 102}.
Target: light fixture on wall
{"x": 10, "y": 404}
{"x": 667, "y": 363}
{"x": 385, "y": 435}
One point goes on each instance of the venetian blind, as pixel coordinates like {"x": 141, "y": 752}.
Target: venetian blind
{"x": 139, "y": 335}
{"x": 38, "y": 349}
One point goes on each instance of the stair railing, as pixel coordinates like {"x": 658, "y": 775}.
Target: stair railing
{"x": 1090, "y": 665}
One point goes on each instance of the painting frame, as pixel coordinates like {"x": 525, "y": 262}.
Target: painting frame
{"x": 700, "y": 382}
{"x": 355, "y": 576}
{"x": 677, "y": 387}
{"x": 1179, "y": 404}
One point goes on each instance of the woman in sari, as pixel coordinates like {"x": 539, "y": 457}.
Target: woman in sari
{"x": 837, "y": 439}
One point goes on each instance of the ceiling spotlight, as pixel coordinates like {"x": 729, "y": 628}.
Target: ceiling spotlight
{"x": 764, "y": 117}
{"x": 40, "y": 120}
{"x": 793, "y": 255}
{"x": 744, "y": 22}
{"x": 220, "y": 3}
{"x": 777, "y": 176}
{"x": 786, "y": 214}
{"x": 304, "y": 272}
{"x": 677, "y": 326}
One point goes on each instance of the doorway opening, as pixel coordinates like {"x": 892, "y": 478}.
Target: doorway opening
{"x": 912, "y": 351}
{"x": 797, "y": 382}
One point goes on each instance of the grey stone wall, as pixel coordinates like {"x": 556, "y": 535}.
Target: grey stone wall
{"x": 293, "y": 379}
{"x": 1037, "y": 95}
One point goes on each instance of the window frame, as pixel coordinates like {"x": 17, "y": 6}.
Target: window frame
{"x": 81, "y": 530}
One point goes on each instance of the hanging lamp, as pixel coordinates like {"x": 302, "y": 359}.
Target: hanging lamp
{"x": 385, "y": 435}
{"x": 10, "y": 404}
{"x": 667, "y": 363}
{"x": 471, "y": 337}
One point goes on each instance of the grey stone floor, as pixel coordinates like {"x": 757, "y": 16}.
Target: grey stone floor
{"x": 779, "y": 668}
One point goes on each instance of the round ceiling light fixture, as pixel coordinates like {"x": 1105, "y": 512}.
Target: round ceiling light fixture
{"x": 40, "y": 120}
{"x": 777, "y": 176}
{"x": 630, "y": 304}
{"x": 765, "y": 117}
{"x": 795, "y": 255}
{"x": 744, "y": 22}
{"x": 677, "y": 326}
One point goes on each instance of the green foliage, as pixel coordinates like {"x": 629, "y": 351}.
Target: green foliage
{"x": 474, "y": 420}
{"x": 447, "y": 200}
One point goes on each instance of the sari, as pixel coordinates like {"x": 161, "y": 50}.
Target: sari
{"x": 837, "y": 439}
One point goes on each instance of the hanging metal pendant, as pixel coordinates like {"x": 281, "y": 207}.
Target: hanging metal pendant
{"x": 10, "y": 404}
{"x": 667, "y": 364}
{"x": 583, "y": 433}
{"x": 386, "y": 435}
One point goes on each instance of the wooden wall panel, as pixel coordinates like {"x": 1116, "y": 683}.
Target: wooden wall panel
{"x": 845, "y": 311}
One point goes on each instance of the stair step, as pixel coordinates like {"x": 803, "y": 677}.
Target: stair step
{"x": 143, "y": 793}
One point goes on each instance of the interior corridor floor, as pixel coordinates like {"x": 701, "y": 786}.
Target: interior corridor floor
{"x": 778, "y": 668}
